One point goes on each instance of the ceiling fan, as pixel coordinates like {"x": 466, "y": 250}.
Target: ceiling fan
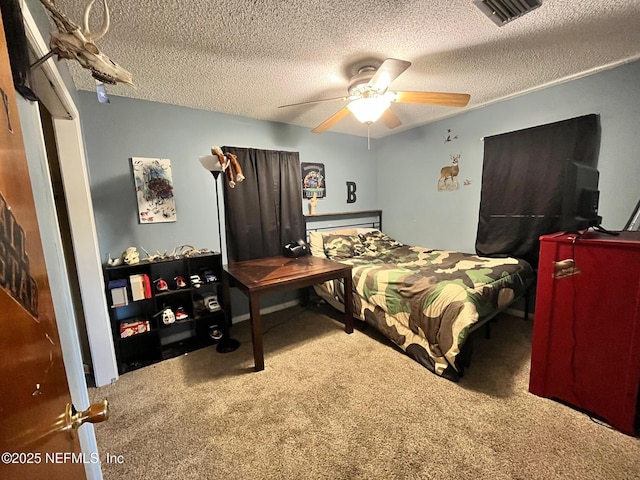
{"x": 369, "y": 97}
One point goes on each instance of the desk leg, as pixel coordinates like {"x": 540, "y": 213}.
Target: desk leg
{"x": 256, "y": 332}
{"x": 348, "y": 303}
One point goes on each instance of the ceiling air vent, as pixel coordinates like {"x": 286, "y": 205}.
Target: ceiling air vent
{"x": 504, "y": 11}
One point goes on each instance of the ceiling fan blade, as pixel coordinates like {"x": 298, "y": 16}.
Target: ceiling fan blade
{"x": 390, "y": 69}
{"x": 331, "y": 121}
{"x": 314, "y": 101}
{"x": 390, "y": 119}
{"x": 433, "y": 98}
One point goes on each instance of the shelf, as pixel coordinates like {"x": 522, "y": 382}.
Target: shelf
{"x": 178, "y": 322}
{"x": 172, "y": 292}
{"x": 131, "y": 303}
{"x": 165, "y": 341}
{"x": 138, "y": 336}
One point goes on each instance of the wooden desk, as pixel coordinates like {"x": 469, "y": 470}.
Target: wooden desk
{"x": 268, "y": 275}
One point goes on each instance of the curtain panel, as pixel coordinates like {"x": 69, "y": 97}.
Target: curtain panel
{"x": 263, "y": 212}
{"x": 522, "y": 179}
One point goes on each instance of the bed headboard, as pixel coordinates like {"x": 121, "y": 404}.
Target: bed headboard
{"x": 332, "y": 221}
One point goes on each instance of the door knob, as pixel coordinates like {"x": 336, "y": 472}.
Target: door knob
{"x": 96, "y": 413}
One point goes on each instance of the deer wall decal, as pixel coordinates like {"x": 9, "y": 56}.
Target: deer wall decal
{"x": 449, "y": 172}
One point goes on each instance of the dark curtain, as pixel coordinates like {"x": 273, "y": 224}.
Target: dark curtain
{"x": 522, "y": 174}
{"x": 263, "y": 212}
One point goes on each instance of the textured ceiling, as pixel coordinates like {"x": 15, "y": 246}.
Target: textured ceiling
{"x": 247, "y": 57}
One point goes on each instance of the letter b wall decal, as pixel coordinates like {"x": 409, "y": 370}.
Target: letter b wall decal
{"x": 351, "y": 192}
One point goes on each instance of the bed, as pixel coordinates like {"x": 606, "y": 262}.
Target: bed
{"x": 428, "y": 302}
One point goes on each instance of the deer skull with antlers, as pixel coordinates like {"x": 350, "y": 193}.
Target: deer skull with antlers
{"x": 75, "y": 43}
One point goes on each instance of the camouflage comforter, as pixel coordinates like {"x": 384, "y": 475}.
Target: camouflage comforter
{"x": 427, "y": 301}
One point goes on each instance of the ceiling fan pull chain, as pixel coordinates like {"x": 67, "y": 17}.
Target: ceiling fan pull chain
{"x": 368, "y": 136}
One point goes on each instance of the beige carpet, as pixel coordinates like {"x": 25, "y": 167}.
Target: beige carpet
{"x": 335, "y": 406}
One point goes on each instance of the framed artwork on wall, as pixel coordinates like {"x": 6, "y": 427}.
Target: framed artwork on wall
{"x": 154, "y": 190}
{"x": 313, "y": 180}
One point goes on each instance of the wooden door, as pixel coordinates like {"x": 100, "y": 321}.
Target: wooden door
{"x": 34, "y": 393}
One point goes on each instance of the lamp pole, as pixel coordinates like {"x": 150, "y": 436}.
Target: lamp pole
{"x": 226, "y": 344}
{"x": 216, "y": 174}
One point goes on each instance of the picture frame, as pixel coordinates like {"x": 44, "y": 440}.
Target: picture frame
{"x": 313, "y": 180}
{"x": 154, "y": 189}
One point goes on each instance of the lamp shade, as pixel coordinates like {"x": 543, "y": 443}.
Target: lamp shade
{"x": 368, "y": 110}
{"x": 211, "y": 163}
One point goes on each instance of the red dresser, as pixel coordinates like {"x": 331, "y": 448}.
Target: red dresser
{"x": 586, "y": 334}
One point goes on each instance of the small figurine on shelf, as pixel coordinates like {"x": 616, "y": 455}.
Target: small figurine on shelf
{"x": 211, "y": 302}
{"x": 155, "y": 256}
{"x": 131, "y": 256}
{"x": 196, "y": 282}
{"x": 168, "y": 316}
{"x": 161, "y": 284}
{"x": 181, "y": 314}
{"x": 312, "y": 204}
{"x": 209, "y": 276}
{"x": 180, "y": 283}
{"x": 215, "y": 333}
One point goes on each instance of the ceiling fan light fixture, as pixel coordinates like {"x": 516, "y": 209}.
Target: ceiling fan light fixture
{"x": 369, "y": 110}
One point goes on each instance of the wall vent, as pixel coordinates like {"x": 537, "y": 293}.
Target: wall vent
{"x": 502, "y": 12}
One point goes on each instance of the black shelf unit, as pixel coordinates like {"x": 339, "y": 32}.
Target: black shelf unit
{"x": 164, "y": 341}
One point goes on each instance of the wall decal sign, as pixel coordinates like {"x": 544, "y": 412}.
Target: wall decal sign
{"x": 313, "y": 180}
{"x": 154, "y": 189}
{"x": 449, "y": 175}
{"x": 450, "y": 137}
{"x": 351, "y": 192}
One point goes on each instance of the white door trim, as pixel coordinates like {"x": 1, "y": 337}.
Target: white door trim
{"x": 83, "y": 232}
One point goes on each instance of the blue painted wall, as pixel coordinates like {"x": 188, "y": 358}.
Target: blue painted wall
{"x": 416, "y": 213}
{"x": 128, "y": 128}
{"x": 399, "y": 174}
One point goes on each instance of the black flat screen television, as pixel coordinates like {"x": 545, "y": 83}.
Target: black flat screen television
{"x": 580, "y": 197}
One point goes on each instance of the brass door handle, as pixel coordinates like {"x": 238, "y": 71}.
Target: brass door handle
{"x": 96, "y": 413}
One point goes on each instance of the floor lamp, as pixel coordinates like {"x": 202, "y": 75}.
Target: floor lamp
{"x": 212, "y": 164}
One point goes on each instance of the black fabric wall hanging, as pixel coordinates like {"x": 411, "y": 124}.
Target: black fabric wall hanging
{"x": 521, "y": 197}
{"x": 264, "y": 212}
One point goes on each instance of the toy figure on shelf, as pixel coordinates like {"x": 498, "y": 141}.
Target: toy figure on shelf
{"x": 130, "y": 256}
{"x": 312, "y": 204}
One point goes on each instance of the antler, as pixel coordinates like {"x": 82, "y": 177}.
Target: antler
{"x": 75, "y": 43}
{"x": 62, "y": 21}
{"x": 91, "y": 37}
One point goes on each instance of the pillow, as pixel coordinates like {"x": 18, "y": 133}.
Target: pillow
{"x": 316, "y": 243}
{"x": 339, "y": 247}
{"x": 360, "y": 230}
{"x": 376, "y": 241}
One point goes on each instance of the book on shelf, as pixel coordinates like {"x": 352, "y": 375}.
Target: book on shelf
{"x": 119, "y": 295}
{"x": 140, "y": 286}
{"x": 128, "y": 329}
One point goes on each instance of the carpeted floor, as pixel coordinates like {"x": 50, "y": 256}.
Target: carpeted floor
{"x": 335, "y": 406}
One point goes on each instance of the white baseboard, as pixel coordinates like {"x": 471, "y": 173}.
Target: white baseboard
{"x": 266, "y": 310}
